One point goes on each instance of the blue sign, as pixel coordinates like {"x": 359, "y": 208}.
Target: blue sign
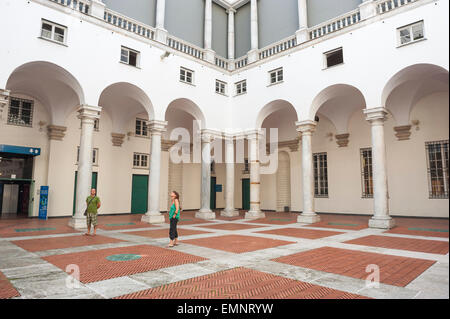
{"x": 32, "y": 151}
{"x": 218, "y": 188}
{"x": 43, "y": 202}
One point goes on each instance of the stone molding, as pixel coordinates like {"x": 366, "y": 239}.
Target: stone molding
{"x": 306, "y": 126}
{"x": 376, "y": 115}
{"x": 117, "y": 139}
{"x": 87, "y": 112}
{"x": 342, "y": 139}
{"x": 403, "y": 132}
{"x": 56, "y": 132}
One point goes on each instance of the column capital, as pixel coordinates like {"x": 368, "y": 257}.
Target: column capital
{"x": 89, "y": 112}
{"x": 56, "y": 132}
{"x": 117, "y": 139}
{"x": 230, "y": 11}
{"x": 376, "y": 114}
{"x": 306, "y": 126}
{"x": 209, "y": 135}
{"x": 157, "y": 127}
{"x": 254, "y": 134}
{"x": 342, "y": 139}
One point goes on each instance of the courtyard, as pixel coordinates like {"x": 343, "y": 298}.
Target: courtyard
{"x": 226, "y": 258}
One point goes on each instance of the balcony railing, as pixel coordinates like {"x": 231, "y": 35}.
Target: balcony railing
{"x": 221, "y": 62}
{"x": 241, "y": 62}
{"x": 335, "y": 24}
{"x": 389, "y": 5}
{"x": 128, "y": 24}
{"x": 185, "y": 47}
{"x": 278, "y": 47}
{"x": 78, "y": 5}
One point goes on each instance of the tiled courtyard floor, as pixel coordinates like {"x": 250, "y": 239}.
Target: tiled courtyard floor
{"x": 274, "y": 257}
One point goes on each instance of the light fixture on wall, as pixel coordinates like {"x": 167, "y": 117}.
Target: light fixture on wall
{"x": 165, "y": 55}
{"x": 416, "y": 124}
{"x": 330, "y": 136}
{"x": 130, "y": 134}
{"x": 41, "y": 124}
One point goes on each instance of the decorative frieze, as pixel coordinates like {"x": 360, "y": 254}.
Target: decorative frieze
{"x": 342, "y": 139}
{"x": 117, "y": 139}
{"x": 403, "y": 132}
{"x": 56, "y": 132}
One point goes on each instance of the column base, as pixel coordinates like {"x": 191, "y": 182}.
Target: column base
{"x": 229, "y": 213}
{"x": 207, "y": 215}
{"x": 381, "y": 223}
{"x": 254, "y": 215}
{"x": 78, "y": 223}
{"x": 161, "y": 35}
{"x": 308, "y": 218}
{"x": 302, "y": 35}
{"x": 153, "y": 218}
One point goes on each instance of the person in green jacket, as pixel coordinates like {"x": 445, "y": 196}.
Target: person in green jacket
{"x": 93, "y": 204}
{"x": 174, "y": 217}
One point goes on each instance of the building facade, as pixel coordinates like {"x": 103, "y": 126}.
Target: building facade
{"x": 96, "y": 94}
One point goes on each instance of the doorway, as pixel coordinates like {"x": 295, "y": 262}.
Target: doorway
{"x": 246, "y": 194}
{"x": 16, "y": 198}
{"x": 213, "y": 193}
{"x": 139, "y": 194}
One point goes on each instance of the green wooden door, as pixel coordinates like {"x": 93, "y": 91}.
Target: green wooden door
{"x": 213, "y": 193}
{"x": 139, "y": 194}
{"x": 246, "y": 194}
{"x": 93, "y": 185}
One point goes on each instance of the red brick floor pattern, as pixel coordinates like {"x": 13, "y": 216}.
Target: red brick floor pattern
{"x": 279, "y": 218}
{"x": 421, "y": 227}
{"x": 42, "y": 244}
{"x": 6, "y": 289}
{"x": 301, "y": 233}
{"x": 240, "y": 283}
{"x": 237, "y": 243}
{"x": 231, "y": 226}
{"x": 95, "y": 267}
{"x": 411, "y": 244}
{"x": 342, "y": 222}
{"x": 163, "y": 233}
{"x": 396, "y": 271}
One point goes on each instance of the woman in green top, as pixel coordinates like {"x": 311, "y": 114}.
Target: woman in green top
{"x": 174, "y": 217}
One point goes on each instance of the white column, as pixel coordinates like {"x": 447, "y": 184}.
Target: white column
{"x": 153, "y": 215}
{"x": 368, "y": 9}
{"x": 302, "y": 32}
{"x": 253, "y": 53}
{"x": 381, "y": 218}
{"x": 309, "y": 216}
{"x": 209, "y": 53}
{"x": 229, "y": 211}
{"x": 87, "y": 114}
{"x": 255, "y": 178}
{"x": 231, "y": 38}
{"x": 161, "y": 32}
{"x": 205, "y": 211}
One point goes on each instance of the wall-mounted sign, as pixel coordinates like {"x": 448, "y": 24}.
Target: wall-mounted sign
{"x": 43, "y": 202}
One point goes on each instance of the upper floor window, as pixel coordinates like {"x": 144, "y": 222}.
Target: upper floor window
{"x": 241, "y": 87}
{"x": 366, "y": 173}
{"x": 221, "y": 87}
{"x": 410, "y": 33}
{"x": 276, "y": 76}
{"x": 141, "y": 128}
{"x": 186, "y": 76}
{"x": 129, "y": 56}
{"x": 53, "y": 31}
{"x": 334, "y": 57}
{"x": 437, "y": 159}
{"x": 140, "y": 160}
{"x": 20, "y": 112}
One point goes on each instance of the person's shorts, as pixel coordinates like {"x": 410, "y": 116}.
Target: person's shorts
{"x": 91, "y": 219}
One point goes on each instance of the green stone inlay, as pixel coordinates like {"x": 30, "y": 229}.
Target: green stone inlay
{"x": 430, "y": 229}
{"x": 123, "y": 257}
{"x": 282, "y": 220}
{"x": 340, "y": 224}
{"x": 185, "y": 220}
{"x": 123, "y": 224}
{"x": 25, "y": 230}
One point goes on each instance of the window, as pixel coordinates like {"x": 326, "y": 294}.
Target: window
{"x": 410, "y": 33}
{"x": 241, "y": 87}
{"x": 221, "y": 87}
{"x": 53, "y": 31}
{"x": 366, "y": 173}
{"x": 213, "y": 167}
{"x": 186, "y": 76}
{"x": 140, "y": 160}
{"x": 20, "y": 112}
{"x": 276, "y": 76}
{"x": 320, "y": 175}
{"x": 141, "y": 128}
{"x": 129, "y": 56}
{"x": 437, "y": 159}
{"x": 334, "y": 57}
{"x": 246, "y": 166}
{"x": 94, "y": 156}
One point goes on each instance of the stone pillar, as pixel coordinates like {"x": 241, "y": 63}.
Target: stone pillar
{"x": 209, "y": 53}
{"x": 302, "y": 32}
{"x": 253, "y": 54}
{"x": 381, "y": 218}
{"x": 87, "y": 114}
{"x": 229, "y": 211}
{"x": 56, "y": 132}
{"x": 255, "y": 178}
{"x": 309, "y": 216}
{"x": 153, "y": 215}
{"x": 161, "y": 32}
{"x": 97, "y": 9}
{"x": 205, "y": 211}
{"x": 368, "y": 9}
{"x": 4, "y": 101}
{"x": 231, "y": 38}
